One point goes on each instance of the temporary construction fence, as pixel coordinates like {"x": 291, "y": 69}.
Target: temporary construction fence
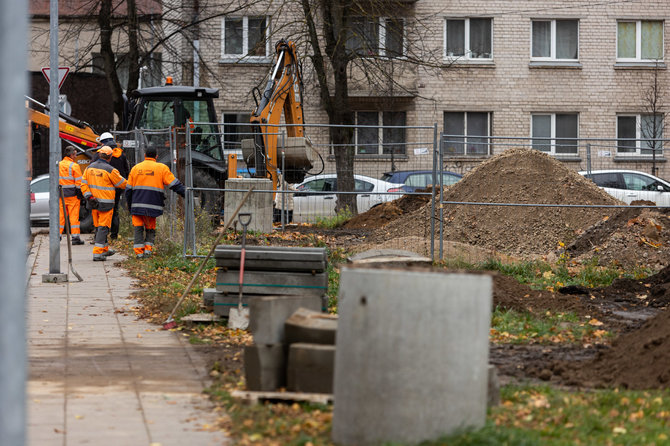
{"x": 200, "y": 159}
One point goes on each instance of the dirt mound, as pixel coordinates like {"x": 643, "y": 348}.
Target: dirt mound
{"x": 639, "y": 359}
{"x": 632, "y": 238}
{"x": 384, "y": 213}
{"x": 515, "y": 176}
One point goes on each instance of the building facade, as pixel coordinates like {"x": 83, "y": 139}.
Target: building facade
{"x": 555, "y": 76}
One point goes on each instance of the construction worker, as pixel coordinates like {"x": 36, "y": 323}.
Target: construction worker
{"x": 120, "y": 163}
{"x": 69, "y": 179}
{"x": 145, "y": 197}
{"x": 98, "y": 186}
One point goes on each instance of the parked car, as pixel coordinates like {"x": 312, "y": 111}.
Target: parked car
{"x": 315, "y": 197}
{"x": 419, "y": 179}
{"x": 631, "y": 185}
{"x": 39, "y": 199}
{"x": 39, "y": 205}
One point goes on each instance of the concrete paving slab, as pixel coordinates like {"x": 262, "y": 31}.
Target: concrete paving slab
{"x": 97, "y": 375}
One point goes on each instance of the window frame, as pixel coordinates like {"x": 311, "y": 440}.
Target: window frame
{"x": 553, "y": 137}
{"x": 381, "y": 49}
{"x": 639, "y": 137}
{"x": 552, "y": 46}
{"x": 380, "y": 134}
{"x": 638, "y": 42}
{"x": 244, "y": 56}
{"x": 489, "y": 127}
{"x": 466, "y": 41}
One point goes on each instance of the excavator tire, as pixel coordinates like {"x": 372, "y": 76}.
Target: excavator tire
{"x": 209, "y": 201}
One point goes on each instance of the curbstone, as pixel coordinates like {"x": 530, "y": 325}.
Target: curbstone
{"x": 265, "y": 367}
{"x": 268, "y": 314}
{"x": 313, "y": 327}
{"x": 310, "y": 368}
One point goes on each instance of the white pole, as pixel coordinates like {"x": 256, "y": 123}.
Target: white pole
{"x": 13, "y": 220}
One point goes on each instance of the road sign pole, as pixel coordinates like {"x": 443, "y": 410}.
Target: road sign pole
{"x": 54, "y": 143}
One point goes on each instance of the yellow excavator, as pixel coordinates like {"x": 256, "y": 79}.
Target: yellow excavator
{"x": 78, "y": 133}
{"x": 283, "y": 92}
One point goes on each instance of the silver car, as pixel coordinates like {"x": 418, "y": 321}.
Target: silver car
{"x": 315, "y": 197}
{"x": 39, "y": 199}
{"x": 631, "y": 185}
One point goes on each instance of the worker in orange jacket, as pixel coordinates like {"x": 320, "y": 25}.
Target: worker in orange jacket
{"x": 69, "y": 179}
{"x": 99, "y": 188}
{"x": 145, "y": 198}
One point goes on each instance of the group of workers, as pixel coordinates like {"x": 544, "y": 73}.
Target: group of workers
{"x": 102, "y": 184}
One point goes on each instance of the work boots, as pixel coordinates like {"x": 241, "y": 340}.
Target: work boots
{"x": 77, "y": 241}
{"x": 109, "y": 252}
{"x": 99, "y": 257}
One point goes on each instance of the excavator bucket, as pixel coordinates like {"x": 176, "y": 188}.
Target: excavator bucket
{"x": 298, "y": 157}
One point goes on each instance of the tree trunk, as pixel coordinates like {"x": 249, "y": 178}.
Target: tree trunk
{"x": 108, "y": 57}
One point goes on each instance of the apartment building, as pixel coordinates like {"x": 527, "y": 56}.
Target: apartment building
{"x": 553, "y": 75}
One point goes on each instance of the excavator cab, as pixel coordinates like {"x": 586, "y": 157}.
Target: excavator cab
{"x": 179, "y": 107}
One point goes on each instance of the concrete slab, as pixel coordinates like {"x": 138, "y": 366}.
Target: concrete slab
{"x": 268, "y": 314}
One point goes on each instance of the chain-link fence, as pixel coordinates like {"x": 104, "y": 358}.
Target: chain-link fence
{"x": 393, "y": 169}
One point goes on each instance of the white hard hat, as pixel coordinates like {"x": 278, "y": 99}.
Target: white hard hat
{"x": 105, "y": 136}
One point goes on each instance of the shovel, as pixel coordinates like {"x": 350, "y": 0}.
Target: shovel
{"x": 239, "y": 317}
{"x": 67, "y": 231}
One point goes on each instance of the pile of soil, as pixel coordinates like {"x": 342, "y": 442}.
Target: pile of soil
{"x": 632, "y": 238}
{"x": 637, "y": 360}
{"x": 514, "y": 176}
{"x": 386, "y": 212}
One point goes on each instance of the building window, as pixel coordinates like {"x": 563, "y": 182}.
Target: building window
{"x": 233, "y": 132}
{"x": 245, "y": 37}
{"x": 555, "y": 39}
{"x": 385, "y": 134}
{"x": 640, "y": 40}
{"x": 638, "y": 134}
{"x": 555, "y": 133}
{"x": 468, "y": 38}
{"x": 467, "y": 133}
{"x": 376, "y": 36}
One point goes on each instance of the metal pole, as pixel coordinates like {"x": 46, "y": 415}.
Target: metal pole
{"x": 13, "y": 216}
{"x": 432, "y": 197}
{"x": 54, "y": 142}
{"x": 440, "y": 209}
{"x": 588, "y": 158}
{"x": 284, "y": 212}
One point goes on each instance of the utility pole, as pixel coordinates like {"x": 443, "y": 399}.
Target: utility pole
{"x": 54, "y": 274}
{"x": 13, "y": 218}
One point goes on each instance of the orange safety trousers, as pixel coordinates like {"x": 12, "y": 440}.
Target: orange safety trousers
{"x": 72, "y": 205}
{"x": 144, "y": 242}
{"x": 101, "y": 220}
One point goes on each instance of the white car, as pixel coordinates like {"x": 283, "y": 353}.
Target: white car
{"x": 631, "y": 185}
{"x": 315, "y": 197}
{"x": 39, "y": 199}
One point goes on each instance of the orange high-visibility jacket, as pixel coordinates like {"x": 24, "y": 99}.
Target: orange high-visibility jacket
{"x": 101, "y": 180}
{"x": 146, "y": 184}
{"x": 69, "y": 176}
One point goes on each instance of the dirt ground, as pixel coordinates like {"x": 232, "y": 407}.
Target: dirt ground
{"x": 635, "y": 311}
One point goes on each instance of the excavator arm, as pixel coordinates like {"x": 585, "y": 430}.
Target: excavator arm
{"x": 71, "y": 130}
{"x": 283, "y": 92}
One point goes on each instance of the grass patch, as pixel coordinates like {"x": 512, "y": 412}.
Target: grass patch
{"x": 334, "y": 222}
{"x": 545, "y": 276}
{"x": 508, "y": 326}
{"x": 528, "y": 415}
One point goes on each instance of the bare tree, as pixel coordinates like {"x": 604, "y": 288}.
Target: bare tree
{"x": 654, "y": 108}
{"x": 126, "y": 38}
{"x": 346, "y": 54}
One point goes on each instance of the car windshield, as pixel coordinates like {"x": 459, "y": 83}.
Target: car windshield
{"x": 40, "y": 186}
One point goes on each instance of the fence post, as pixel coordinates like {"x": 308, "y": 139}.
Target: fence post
{"x": 440, "y": 208}
{"x": 283, "y": 212}
{"x": 588, "y": 158}
{"x": 432, "y": 197}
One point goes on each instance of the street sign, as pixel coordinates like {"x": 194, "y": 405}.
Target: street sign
{"x": 62, "y": 74}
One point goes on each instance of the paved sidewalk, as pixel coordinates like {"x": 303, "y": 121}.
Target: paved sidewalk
{"x": 98, "y": 376}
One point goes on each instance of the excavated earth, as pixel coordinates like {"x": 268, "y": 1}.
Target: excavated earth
{"x": 635, "y": 311}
